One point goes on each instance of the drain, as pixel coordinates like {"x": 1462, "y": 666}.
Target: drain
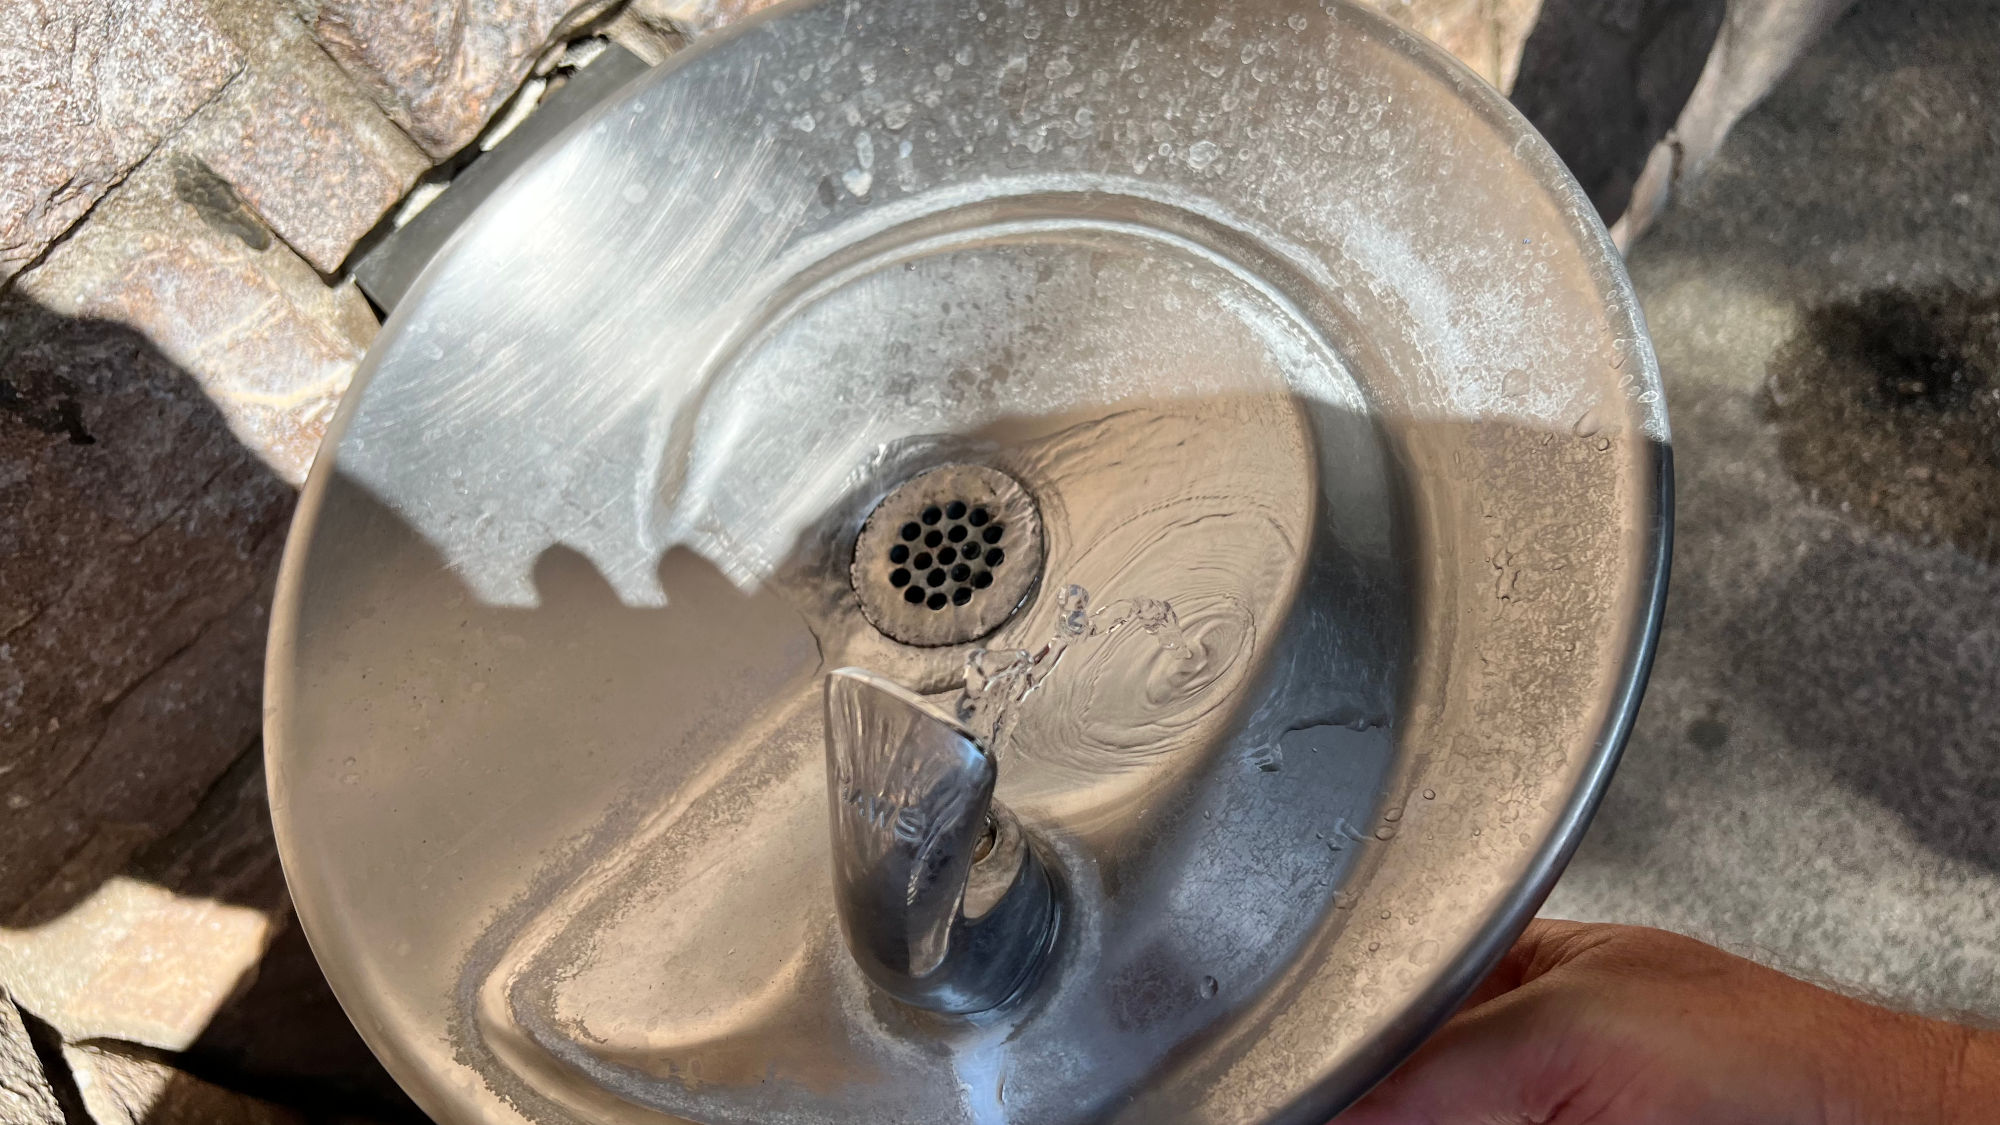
{"x": 948, "y": 556}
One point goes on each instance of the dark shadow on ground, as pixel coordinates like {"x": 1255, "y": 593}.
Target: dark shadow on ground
{"x": 1888, "y": 408}
{"x": 136, "y": 558}
{"x": 1879, "y": 668}
{"x": 1604, "y": 80}
{"x": 137, "y": 551}
{"x": 286, "y": 1039}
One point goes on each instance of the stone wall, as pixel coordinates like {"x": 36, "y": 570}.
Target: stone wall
{"x": 182, "y": 185}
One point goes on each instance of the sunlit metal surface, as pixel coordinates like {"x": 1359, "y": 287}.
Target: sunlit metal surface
{"x": 1350, "y": 464}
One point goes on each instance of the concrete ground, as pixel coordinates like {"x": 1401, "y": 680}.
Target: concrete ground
{"x": 1815, "y": 775}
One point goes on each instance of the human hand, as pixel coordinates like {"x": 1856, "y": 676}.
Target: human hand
{"x": 1617, "y": 1025}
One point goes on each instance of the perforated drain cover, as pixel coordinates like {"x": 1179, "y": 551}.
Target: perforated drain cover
{"x": 948, "y": 556}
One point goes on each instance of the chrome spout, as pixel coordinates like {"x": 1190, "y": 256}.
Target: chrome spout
{"x": 942, "y": 900}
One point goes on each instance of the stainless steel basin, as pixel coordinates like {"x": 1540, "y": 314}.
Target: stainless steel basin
{"x": 1348, "y": 476}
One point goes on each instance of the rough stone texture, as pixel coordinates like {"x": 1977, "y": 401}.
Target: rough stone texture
{"x": 134, "y": 564}
{"x": 158, "y": 954}
{"x": 1486, "y": 35}
{"x": 176, "y": 257}
{"x": 224, "y": 851}
{"x": 134, "y": 962}
{"x": 1815, "y": 772}
{"x": 286, "y": 1039}
{"x": 120, "y": 1088}
{"x": 441, "y": 68}
{"x": 25, "y": 1095}
{"x": 300, "y": 143}
{"x": 91, "y": 86}
{"x": 136, "y": 365}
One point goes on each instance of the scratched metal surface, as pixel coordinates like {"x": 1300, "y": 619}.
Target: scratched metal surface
{"x": 1283, "y": 318}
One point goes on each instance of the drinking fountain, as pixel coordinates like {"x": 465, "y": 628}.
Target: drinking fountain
{"x": 986, "y": 561}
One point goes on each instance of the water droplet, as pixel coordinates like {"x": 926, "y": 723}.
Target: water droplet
{"x": 1430, "y": 794}
{"x": 1209, "y": 987}
{"x": 1475, "y": 832}
{"x": 1621, "y": 348}
{"x": 1587, "y": 424}
{"x": 1386, "y": 832}
{"x": 1297, "y": 22}
{"x": 1393, "y": 815}
{"x": 1201, "y": 154}
{"x": 1373, "y": 946}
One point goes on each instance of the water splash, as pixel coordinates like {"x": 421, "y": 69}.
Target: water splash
{"x": 997, "y": 680}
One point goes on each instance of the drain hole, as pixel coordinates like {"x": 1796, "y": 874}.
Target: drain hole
{"x": 935, "y": 540}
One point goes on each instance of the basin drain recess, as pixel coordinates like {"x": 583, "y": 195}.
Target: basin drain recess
{"x": 948, "y": 556}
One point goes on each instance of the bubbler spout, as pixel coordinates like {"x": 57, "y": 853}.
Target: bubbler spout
{"x": 942, "y": 899}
